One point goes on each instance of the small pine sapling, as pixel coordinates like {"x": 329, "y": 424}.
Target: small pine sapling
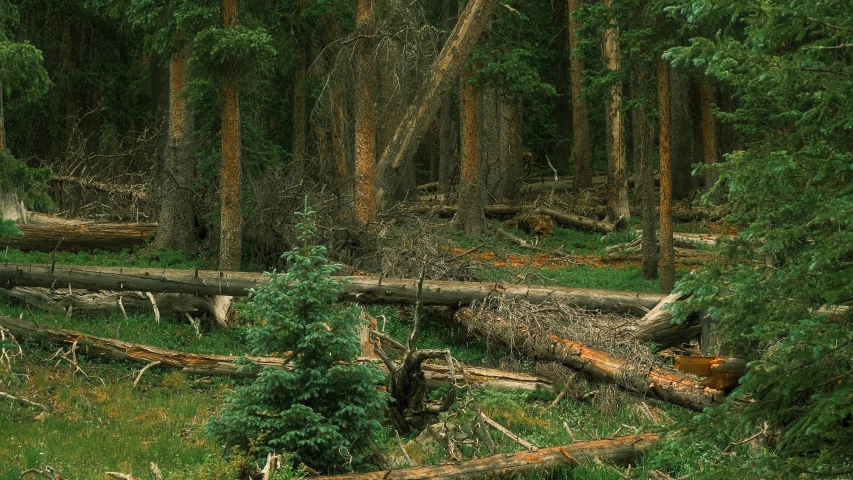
{"x": 323, "y": 411}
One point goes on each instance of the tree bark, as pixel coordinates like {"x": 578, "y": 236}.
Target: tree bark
{"x": 710, "y": 149}
{"x": 176, "y": 219}
{"x": 643, "y": 145}
{"x": 511, "y": 161}
{"x": 656, "y": 326}
{"x": 365, "y": 119}
{"x": 667, "y": 252}
{"x": 2, "y": 121}
{"x": 469, "y": 216}
{"x": 230, "y": 182}
{"x": 67, "y": 236}
{"x": 671, "y": 386}
{"x": 617, "y": 175}
{"x": 224, "y": 365}
{"x": 680, "y": 130}
{"x": 620, "y": 451}
{"x": 359, "y": 289}
{"x": 300, "y": 121}
{"x": 561, "y": 150}
{"x": 442, "y": 75}
{"x": 580, "y": 111}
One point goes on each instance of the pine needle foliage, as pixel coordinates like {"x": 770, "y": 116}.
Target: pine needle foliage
{"x": 326, "y": 408}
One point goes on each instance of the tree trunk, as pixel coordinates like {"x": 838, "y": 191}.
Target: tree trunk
{"x": 667, "y": 252}
{"x": 526, "y": 464}
{"x": 580, "y": 111}
{"x": 617, "y": 171}
{"x": 176, "y": 219}
{"x": 442, "y": 75}
{"x": 643, "y": 144}
{"x": 2, "y": 121}
{"x": 561, "y": 150}
{"x": 299, "y": 111}
{"x": 582, "y": 222}
{"x": 69, "y": 236}
{"x": 671, "y": 386}
{"x": 710, "y": 150}
{"x": 512, "y": 165}
{"x": 490, "y": 140}
{"x": 360, "y": 289}
{"x": 680, "y": 128}
{"x": 469, "y": 216}
{"x": 365, "y": 119}
{"x": 231, "y": 222}
{"x": 656, "y": 326}
{"x": 448, "y": 163}
{"x": 225, "y": 365}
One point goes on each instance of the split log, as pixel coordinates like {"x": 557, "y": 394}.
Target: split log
{"x": 224, "y": 365}
{"x": 67, "y": 236}
{"x": 359, "y": 289}
{"x": 620, "y": 451}
{"x": 100, "y": 302}
{"x": 721, "y": 373}
{"x": 668, "y": 385}
{"x": 656, "y": 326}
{"x": 585, "y": 223}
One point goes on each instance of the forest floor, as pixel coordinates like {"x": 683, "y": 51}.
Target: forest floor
{"x": 96, "y": 420}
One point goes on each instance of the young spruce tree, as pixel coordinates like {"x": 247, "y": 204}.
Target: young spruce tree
{"x": 325, "y": 409}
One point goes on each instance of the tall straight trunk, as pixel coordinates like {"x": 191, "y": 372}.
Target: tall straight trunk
{"x": 561, "y": 151}
{"x": 2, "y": 122}
{"x": 512, "y": 163}
{"x": 667, "y": 253}
{"x": 617, "y": 171}
{"x": 340, "y": 151}
{"x": 448, "y": 162}
{"x": 231, "y": 225}
{"x": 710, "y": 150}
{"x": 681, "y": 130}
{"x": 441, "y": 77}
{"x": 365, "y": 119}
{"x": 175, "y": 231}
{"x": 490, "y": 145}
{"x": 645, "y": 178}
{"x": 580, "y": 111}
{"x": 299, "y": 110}
{"x": 470, "y": 215}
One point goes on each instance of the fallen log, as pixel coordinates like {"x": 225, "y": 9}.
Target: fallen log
{"x": 620, "y": 451}
{"x": 668, "y": 385}
{"x": 104, "y": 302}
{"x": 358, "y": 289}
{"x": 722, "y": 373}
{"x": 133, "y": 193}
{"x": 656, "y": 326}
{"x": 446, "y": 211}
{"x": 680, "y": 214}
{"x": 225, "y": 365}
{"x": 585, "y": 223}
{"x": 68, "y": 236}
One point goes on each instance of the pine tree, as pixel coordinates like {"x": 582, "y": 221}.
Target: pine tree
{"x": 324, "y": 410}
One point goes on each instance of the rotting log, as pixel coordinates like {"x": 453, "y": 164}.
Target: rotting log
{"x": 358, "y": 289}
{"x": 620, "y": 451}
{"x": 656, "y": 326}
{"x": 585, "y": 223}
{"x": 69, "y": 236}
{"x": 668, "y": 385}
{"x": 104, "y": 302}
{"x": 225, "y": 365}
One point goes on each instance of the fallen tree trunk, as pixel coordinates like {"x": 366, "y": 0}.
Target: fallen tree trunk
{"x": 224, "y": 365}
{"x": 620, "y": 451}
{"x": 100, "y": 302}
{"x": 656, "y": 326}
{"x": 671, "y": 386}
{"x": 585, "y": 223}
{"x": 681, "y": 214}
{"x": 69, "y": 236}
{"x": 496, "y": 210}
{"x": 357, "y": 289}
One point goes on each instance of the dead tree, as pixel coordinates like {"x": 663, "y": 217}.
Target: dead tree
{"x": 407, "y": 385}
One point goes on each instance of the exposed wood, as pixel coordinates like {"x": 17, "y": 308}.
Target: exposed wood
{"x": 619, "y": 451}
{"x": 469, "y": 214}
{"x": 440, "y": 78}
{"x": 667, "y": 254}
{"x": 365, "y": 118}
{"x": 515, "y": 438}
{"x": 617, "y": 171}
{"x": 224, "y": 365}
{"x": 22, "y": 400}
{"x": 585, "y": 223}
{"x": 722, "y": 373}
{"x": 104, "y": 302}
{"x": 79, "y": 236}
{"x": 668, "y": 385}
{"x": 360, "y": 289}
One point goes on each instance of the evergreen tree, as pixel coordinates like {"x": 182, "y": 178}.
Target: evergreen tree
{"x": 326, "y": 408}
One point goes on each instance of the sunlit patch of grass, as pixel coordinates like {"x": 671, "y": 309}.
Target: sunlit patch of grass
{"x": 136, "y": 257}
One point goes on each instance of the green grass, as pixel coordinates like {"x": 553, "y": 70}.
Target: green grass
{"x": 137, "y": 257}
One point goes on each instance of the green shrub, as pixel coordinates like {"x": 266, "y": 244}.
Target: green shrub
{"x": 325, "y": 409}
